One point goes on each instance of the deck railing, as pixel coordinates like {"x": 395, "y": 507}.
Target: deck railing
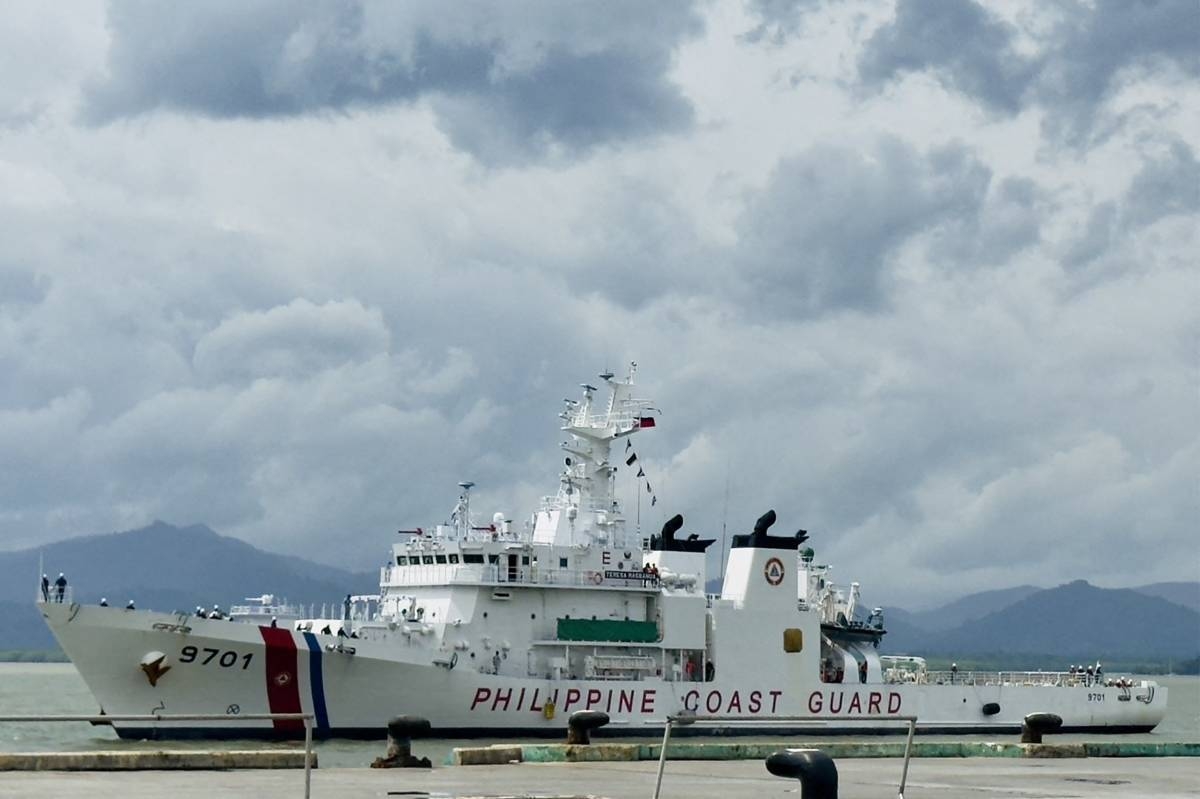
{"x": 53, "y": 598}
{"x": 1005, "y": 678}
{"x": 307, "y": 718}
{"x": 493, "y": 573}
{"x": 692, "y": 718}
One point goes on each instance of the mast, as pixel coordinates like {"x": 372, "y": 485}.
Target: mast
{"x": 461, "y": 515}
{"x": 586, "y": 509}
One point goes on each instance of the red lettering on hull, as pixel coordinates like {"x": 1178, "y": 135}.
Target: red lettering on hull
{"x": 481, "y": 695}
{"x": 835, "y": 703}
{"x": 633, "y": 701}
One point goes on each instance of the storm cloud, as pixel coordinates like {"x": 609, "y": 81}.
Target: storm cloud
{"x": 833, "y": 254}
{"x": 920, "y": 276}
{"x": 508, "y": 81}
{"x": 1068, "y": 62}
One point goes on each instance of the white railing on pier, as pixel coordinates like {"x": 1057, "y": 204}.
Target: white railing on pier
{"x": 307, "y": 718}
{"x": 687, "y": 718}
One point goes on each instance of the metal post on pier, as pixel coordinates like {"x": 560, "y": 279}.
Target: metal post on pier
{"x": 308, "y": 725}
{"x": 693, "y": 718}
{"x": 912, "y": 728}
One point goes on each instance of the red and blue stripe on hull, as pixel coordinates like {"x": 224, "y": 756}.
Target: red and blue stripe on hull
{"x": 282, "y": 674}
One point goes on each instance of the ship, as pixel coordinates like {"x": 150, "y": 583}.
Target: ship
{"x": 505, "y": 630}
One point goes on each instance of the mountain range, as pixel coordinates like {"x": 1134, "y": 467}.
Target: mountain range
{"x": 163, "y": 567}
{"x": 1076, "y": 621}
{"x": 168, "y": 567}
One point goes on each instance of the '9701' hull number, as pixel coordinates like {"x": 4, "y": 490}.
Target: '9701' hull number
{"x": 207, "y": 655}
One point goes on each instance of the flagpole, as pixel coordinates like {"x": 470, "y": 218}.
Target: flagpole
{"x": 639, "y": 509}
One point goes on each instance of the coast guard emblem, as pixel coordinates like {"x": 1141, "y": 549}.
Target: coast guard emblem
{"x": 773, "y": 571}
{"x": 154, "y": 666}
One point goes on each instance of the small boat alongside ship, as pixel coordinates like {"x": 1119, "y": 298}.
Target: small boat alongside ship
{"x": 499, "y": 631}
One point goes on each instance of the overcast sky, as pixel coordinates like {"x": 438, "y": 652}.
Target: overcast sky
{"x": 922, "y": 276}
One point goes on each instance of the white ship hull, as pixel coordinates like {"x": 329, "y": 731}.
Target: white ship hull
{"x": 235, "y": 670}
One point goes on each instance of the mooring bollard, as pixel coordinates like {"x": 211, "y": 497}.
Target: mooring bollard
{"x": 1037, "y": 724}
{"x": 401, "y": 731}
{"x": 815, "y": 770}
{"x": 581, "y": 724}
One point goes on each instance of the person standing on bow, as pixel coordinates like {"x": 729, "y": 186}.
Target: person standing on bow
{"x": 45, "y": 588}
{"x": 60, "y": 586}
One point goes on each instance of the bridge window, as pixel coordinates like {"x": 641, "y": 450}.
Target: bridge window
{"x": 472, "y": 558}
{"x": 427, "y": 558}
{"x": 441, "y": 558}
{"x": 453, "y": 557}
{"x": 401, "y": 560}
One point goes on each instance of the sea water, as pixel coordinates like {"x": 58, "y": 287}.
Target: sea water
{"x": 57, "y": 689}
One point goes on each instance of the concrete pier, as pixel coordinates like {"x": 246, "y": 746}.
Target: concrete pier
{"x": 683, "y": 750}
{"x": 153, "y": 760}
{"x": 1001, "y": 778}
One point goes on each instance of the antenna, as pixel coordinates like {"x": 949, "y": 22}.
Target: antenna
{"x": 724, "y": 517}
